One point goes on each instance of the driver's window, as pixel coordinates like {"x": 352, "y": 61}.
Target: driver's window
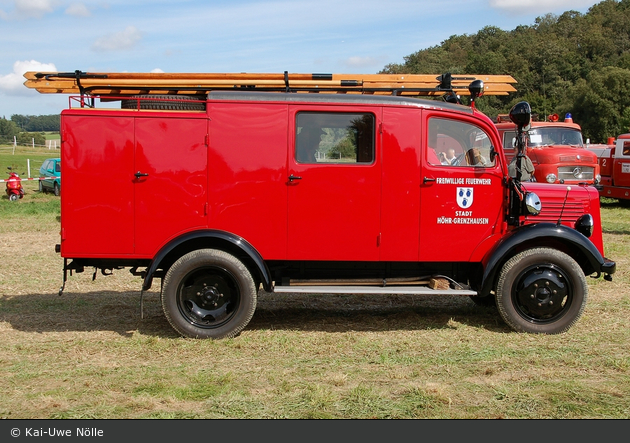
{"x": 456, "y": 143}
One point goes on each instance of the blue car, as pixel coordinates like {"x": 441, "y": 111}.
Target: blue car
{"x": 51, "y": 171}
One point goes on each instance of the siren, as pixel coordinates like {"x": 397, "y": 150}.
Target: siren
{"x": 553, "y": 117}
{"x": 568, "y": 118}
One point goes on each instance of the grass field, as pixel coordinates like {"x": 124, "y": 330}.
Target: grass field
{"x": 99, "y": 351}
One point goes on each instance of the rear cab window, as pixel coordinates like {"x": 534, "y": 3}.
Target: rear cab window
{"x": 334, "y": 138}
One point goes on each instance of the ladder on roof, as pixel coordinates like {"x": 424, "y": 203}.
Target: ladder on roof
{"x": 124, "y": 84}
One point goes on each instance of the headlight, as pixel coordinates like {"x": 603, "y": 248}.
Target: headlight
{"x": 551, "y": 178}
{"x": 598, "y": 179}
{"x": 584, "y": 225}
{"x": 532, "y": 203}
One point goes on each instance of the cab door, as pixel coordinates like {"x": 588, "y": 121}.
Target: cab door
{"x": 333, "y": 184}
{"x": 461, "y": 203}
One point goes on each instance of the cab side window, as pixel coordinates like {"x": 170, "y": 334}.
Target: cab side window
{"x": 336, "y": 138}
{"x": 456, "y": 143}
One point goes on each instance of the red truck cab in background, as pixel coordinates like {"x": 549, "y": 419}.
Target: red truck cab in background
{"x": 555, "y": 148}
{"x": 225, "y": 193}
{"x": 614, "y": 163}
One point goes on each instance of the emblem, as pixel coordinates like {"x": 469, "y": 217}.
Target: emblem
{"x": 465, "y": 197}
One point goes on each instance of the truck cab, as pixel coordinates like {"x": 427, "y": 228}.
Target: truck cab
{"x": 614, "y": 161}
{"x": 556, "y": 149}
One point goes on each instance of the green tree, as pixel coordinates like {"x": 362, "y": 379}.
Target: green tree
{"x": 8, "y": 130}
{"x": 601, "y": 103}
{"x": 27, "y": 138}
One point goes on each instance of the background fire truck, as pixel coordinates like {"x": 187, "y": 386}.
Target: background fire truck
{"x": 614, "y": 163}
{"x": 555, "y": 148}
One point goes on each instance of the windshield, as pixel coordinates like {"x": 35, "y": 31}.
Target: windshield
{"x": 554, "y": 136}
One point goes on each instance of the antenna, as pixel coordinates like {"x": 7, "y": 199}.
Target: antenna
{"x": 563, "y": 203}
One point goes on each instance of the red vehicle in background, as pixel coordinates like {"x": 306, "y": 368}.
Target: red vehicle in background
{"x": 614, "y": 163}
{"x": 555, "y": 148}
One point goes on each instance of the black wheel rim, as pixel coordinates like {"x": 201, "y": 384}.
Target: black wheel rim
{"x": 542, "y": 293}
{"x": 208, "y": 297}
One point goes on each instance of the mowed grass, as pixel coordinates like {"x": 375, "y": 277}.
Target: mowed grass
{"x": 102, "y": 351}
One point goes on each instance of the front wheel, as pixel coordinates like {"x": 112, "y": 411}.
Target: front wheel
{"x": 13, "y": 197}
{"x": 541, "y": 290}
{"x": 209, "y": 293}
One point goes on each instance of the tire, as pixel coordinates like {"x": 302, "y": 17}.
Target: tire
{"x": 57, "y": 189}
{"x": 208, "y": 293}
{"x": 165, "y": 102}
{"x": 41, "y": 187}
{"x": 14, "y": 197}
{"x": 542, "y": 291}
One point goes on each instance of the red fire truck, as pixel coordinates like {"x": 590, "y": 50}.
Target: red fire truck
{"x": 223, "y": 187}
{"x": 556, "y": 150}
{"x": 614, "y": 162}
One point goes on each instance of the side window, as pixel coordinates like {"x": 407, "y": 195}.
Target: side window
{"x": 57, "y": 167}
{"x": 341, "y": 138}
{"x": 509, "y": 139}
{"x": 456, "y": 143}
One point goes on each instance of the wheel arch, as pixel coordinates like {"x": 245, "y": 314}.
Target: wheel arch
{"x": 550, "y": 235}
{"x": 215, "y": 239}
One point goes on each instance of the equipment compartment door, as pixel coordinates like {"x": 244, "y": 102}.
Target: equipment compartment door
{"x": 170, "y": 179}
{"x": 97, "y": 192}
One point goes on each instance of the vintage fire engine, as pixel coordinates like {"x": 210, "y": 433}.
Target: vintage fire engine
{"x": 226, "y": 184}
{"x": 614, "y": 163}
{"x": 556, "y": 150}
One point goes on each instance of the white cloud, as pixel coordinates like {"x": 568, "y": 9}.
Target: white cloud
{"x": 539, "y": 7}
{"x": 13, "y": 83}
{"x": 78, "y": 10}
{"x": 33, "y": 8}
{"x": 157, "y": 71}
{"x": 126, "y": 39}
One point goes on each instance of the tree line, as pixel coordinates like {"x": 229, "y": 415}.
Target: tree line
{"x": 25, "y": 128}
{"x": 569, "y": 63}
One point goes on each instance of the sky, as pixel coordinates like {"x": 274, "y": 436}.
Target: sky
{"x": 266, "y": 36}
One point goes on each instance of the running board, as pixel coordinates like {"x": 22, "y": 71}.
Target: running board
{"x": 391, "y": 290}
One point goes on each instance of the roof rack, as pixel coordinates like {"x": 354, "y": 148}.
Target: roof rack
{"x": 121, "y": 84}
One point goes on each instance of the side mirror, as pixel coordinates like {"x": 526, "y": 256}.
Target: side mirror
{"x": 521, "y": 115}
{"x": 476, "y": 90}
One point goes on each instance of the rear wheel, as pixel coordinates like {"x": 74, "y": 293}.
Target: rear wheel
{"x": 541, "y": 290}
{"x": 209, "y": 293}
{"x": 57, "y": 189}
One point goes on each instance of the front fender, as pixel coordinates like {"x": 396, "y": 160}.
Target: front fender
{"x": 210, "y": 238}
{"x": 539, "y": 235}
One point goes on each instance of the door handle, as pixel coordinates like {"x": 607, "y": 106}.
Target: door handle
{"x": 294, "y": 177}
{"x": 427, "y": 179}
{"x": 141, "y": 174}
